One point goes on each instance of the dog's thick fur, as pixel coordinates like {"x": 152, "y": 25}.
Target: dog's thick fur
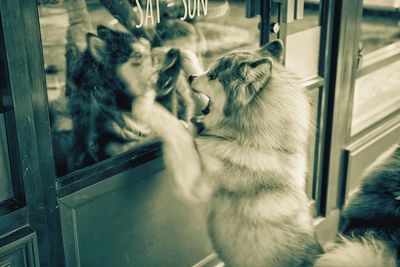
{"x": 249, "y": 162}
{"x": 372, "y": 220}
{"x": 358, "y": 252}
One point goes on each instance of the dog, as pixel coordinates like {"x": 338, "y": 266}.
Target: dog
{"x": 248, "y": 162}
{"x": 371, "y": 232}
{"x": 99, "y": 83}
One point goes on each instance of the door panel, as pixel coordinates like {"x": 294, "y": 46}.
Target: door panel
{"x": 375, "y": 117}
{"x": 303, "y": 51}
{"x": 133, "y": 219}
{"x": 19, "y": 249}
{"x": 376, "y": 93}
{"x": 360, "y": 155}
{"x": 376, "y": 96}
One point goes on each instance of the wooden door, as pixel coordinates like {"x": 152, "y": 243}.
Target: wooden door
{"x": 349, "y": 69}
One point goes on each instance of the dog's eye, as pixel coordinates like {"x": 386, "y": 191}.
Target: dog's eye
{"x": 137, "y": 56}
{"x": 212, "y": 76}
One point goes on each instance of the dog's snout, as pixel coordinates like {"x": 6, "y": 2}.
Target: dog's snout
{"x": 191, "y": 78}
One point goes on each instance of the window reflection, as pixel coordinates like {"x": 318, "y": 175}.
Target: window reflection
{"x": 380, "y": 24}
{"x": 89, "y": 76}
{"x": 377, "y": 94}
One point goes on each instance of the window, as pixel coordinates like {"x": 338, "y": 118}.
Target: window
{"x": 89, "y": 109}
{"x": 377, "y": 92}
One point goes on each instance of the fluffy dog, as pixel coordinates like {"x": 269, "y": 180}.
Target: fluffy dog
{"x": 248, "y": 162}
{"x": 372, "y": 220}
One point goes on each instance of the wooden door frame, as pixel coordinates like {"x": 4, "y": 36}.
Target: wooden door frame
{"x": 340, "y": 75}
{"x": 29, "y": 131}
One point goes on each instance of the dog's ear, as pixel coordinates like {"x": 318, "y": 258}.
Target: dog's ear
{"x": 256, "y": 70}
{"x": 96, "y": 46}
{"x": 274, "y": 48}
{"x": 254, "y": 76}
{"x": 105, "y": 33}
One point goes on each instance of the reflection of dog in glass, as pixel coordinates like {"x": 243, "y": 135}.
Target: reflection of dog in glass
{"x": 372, "y": 220}
{"x": 100, "y": 96}
{"x": 248, "y": 162}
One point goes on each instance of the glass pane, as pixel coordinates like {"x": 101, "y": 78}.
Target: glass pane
{"x": 303, "y": 41}
{"x": 6, "y": 190}
{"x": 89, "y": 103}
{"x": 380, "y": 24}
{"x": 309, "y": 20}
{"x": 376, "y": 95}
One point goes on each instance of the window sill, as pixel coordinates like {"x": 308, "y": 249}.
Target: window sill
{"x": 95, "y": 173}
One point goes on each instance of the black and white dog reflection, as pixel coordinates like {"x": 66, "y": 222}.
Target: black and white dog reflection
{"x": 99, "y": 84}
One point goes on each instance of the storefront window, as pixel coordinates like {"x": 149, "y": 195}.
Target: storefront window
{"x": 89, "y": 109}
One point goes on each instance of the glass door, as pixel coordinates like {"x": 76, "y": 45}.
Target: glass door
{"x": 208, "y": 29}
{"x": 323, "y": 46}
{"x": 375, "y": 106}
{"x": 376, "y": 94}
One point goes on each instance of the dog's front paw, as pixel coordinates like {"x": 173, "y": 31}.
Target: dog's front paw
{"x": 191, "y": 63}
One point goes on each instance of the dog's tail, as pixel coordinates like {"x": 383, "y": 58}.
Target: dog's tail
{"x": 365, "y": 252}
